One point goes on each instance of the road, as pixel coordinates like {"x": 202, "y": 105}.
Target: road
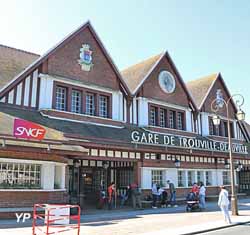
{"x": 240, "y": 229}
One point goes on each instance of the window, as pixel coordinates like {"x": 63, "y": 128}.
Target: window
{"x": 153, "y": 116}
{"x": 225, "y": 178}
{"x": 180, "y": 121}
{"x": 200, "y": 176}
{"x": 162, "y": 118}
{"x": 208, "y": 178}
{"x": 232, "y": 129}
{"x": 220, "y": 130}
{"x": 103, "y": 106}
{"x": 90, "y": 104}
{"x": 157, "y": 177}
{"x": 191, "y": 178}
{"x": 225, "y": 129}
{"x": 171, "y": 123}
{"x": 181, "y": 179}
{"x": 213, "y": 130}
{"x": 76, "y": 99}
{"x": 61, "y": 98}
{"x": 20, "y": 175}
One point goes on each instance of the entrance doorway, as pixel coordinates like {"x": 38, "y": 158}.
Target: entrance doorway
{"x": 244, "y": 180}
{"x": 88, "y": 177}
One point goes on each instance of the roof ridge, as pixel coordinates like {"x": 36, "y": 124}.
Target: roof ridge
{"x": 21, "y": 50}
{"x": 214, "y": 75}
{"x": 142, "y": 61}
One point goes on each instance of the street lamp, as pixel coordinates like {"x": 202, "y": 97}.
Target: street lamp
{"x": 216, "y": 105}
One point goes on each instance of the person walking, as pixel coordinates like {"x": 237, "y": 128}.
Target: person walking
{"x": 136, "y": 195}
{"x": 111, "y": 195}
{"x": 223, "y": 203}
{"x": 202, "y": 196}
{"x": 172, "y": 192}
{"x": 154, "y": 195}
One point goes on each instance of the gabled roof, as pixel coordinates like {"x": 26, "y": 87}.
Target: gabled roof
{"x": 201, "y": 87}
{"x": 44, "y": 57}
{"x": 135, "y": 74}
{"x": 12, "y": 62}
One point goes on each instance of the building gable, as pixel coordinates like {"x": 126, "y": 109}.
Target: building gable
{"x": 65, "y": 61}
{"x": 218, "y": 86}
{"x": 151, "y": 87}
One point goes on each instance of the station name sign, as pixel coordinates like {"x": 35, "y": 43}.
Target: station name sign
{"x": 185, "y": 142}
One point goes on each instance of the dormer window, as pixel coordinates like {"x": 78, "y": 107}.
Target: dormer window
{"x": 166, "y": 117}
{"x": 82, "y": 100}
{"x": 171, "y": 122}
{"x": 163, "y": 117}
{"x": 180, "y": 121}
{"x": 153, "y": 115}
{"x": 220, "y": 130}
{"x": 103, "y": 106}
{"x": 61, "y": 98}
{"x": 76, "y": 101}
{"x": 90, "y": 104}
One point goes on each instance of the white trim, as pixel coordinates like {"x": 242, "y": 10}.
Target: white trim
{"x": 149, "y": 72}
{"x": 86, "y": 122}
{"x": 12, "y": 160}
{"x": 26, "y": 91}
{"x": 167, "y": 105}
{"x": 77, "y": 83}
{"x": 208, "y": 91}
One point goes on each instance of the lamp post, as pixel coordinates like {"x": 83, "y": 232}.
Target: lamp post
{"x": 216, "y": 105}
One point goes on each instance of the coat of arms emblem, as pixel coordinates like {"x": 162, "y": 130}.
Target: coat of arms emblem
{"x": 85, "y": 57}
{"x": 219, "y": 98}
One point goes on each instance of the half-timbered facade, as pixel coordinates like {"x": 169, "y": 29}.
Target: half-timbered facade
{"x": 102, "y": 125}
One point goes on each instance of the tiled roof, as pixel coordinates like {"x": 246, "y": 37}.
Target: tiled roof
{"x": 200, "y": 87}
{"x": 12, "y": 62}
{"x": 135, "y": 74}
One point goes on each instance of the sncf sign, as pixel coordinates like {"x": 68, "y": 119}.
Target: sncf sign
{"x": 28, "y": 130}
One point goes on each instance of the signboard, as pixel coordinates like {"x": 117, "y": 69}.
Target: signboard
{"x": 28, "y": 130}
{"x": 204, "y": 144}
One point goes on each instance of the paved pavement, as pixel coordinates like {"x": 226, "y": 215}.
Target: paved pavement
{"x": 147, "y": 222}
{"x": 241, "y": 229}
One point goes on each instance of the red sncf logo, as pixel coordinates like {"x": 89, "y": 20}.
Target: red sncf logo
{"x": 28, "y": 130}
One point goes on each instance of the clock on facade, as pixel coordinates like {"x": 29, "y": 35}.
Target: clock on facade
{"x": 166, "y": 81}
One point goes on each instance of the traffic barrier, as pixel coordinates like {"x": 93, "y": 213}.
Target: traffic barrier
{"x": 55, "y": 218}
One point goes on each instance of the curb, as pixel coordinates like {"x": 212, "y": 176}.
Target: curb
{"x": 218, "y": 228}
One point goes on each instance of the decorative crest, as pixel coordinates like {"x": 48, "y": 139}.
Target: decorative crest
{"x": 85, "y": 58}
{"x": 219, "y": 98}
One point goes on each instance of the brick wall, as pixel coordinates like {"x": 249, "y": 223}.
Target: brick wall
{"x": 152, "y": 89}
{"x": 64, "y": 62}
{"x": 29, "y": 198}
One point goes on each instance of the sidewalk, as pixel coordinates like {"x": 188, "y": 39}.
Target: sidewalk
{"x": 171, "y": 221}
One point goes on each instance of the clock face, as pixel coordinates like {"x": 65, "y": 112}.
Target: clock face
{"x": 167, "y": 81}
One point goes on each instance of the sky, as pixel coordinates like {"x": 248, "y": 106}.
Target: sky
{"x": 202, "y": 37}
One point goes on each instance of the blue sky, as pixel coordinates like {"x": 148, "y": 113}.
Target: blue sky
{"x": 202, "y": 37}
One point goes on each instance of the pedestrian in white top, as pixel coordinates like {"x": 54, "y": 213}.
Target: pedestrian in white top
{"x": 202, "y": 196}
{"x": 223, "y": 203}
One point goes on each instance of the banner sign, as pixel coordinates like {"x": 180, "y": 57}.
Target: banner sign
{"x": 204, "y": 144}
{"x": 28, "y": 130}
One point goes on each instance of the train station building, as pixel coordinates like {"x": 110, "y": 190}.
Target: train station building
{"x": 71, "y": 123}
